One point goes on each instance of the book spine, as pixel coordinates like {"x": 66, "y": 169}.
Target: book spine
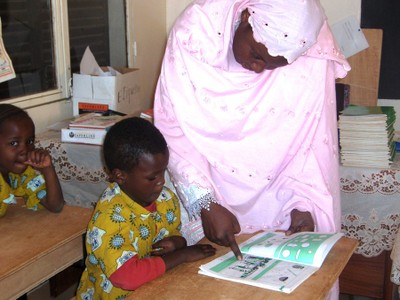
{"x": 93, "y": 137}
{"x": 90, "y": 127}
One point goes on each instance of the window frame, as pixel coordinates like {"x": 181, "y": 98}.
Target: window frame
{"x": 62, "y": 57}
{"x": 62, "y": 62}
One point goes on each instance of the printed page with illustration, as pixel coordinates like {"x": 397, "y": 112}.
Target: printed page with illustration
{"x": 274, "y": 261}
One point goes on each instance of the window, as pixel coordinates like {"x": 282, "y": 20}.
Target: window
{"x": 45, "y": 40}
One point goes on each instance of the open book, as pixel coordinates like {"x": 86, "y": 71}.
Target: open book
{"x": 274, "y": 261}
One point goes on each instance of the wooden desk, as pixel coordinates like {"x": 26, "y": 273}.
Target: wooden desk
{"x": 37, "y": 245}
{"x": 183, "y": 282}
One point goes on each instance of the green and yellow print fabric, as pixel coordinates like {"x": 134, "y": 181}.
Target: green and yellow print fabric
{"x": 120, "y": 229}
{"x": 30, "y": 185}
{"x": 5, "y": 196}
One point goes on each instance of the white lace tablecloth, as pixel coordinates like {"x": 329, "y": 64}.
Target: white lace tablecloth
{"x": 371, "y": 210}
{"x": 79, "y": 168}
{"x": 371, "y": 207}
{"x": 370, "y": 197}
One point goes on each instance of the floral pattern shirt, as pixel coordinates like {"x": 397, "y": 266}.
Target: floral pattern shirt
{"x": 119, "y": 230}
{"x": 30, "y": 185}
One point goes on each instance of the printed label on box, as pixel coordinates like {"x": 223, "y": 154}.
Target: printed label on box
{"x": 85, "y": 107}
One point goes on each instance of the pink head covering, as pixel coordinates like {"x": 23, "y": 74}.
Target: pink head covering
{"x": 287, "y": 28}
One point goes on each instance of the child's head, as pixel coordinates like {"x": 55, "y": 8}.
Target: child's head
{"x": 17, "y": 138}
{"x": 136, "y": 154}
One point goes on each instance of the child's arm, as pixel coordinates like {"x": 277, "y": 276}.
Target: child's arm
{"x": 40, "y": 160}
{"x": 136, "y": 272}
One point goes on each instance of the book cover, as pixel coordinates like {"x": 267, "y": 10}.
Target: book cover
{"x": 95, "y": 121}
{"x": 148, "y": 115}
{"x": 274, "y": 261}
{"x": 83, "y": 136}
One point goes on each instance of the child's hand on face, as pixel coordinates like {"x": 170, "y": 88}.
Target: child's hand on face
{"x": 39, "y": 159}
{"x": 168, "y": 244}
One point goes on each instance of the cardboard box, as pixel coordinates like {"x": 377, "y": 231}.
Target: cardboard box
{"x": 119, "y": 93}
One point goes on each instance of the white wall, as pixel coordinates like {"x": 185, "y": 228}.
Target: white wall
{"x": 339, "y": 9}
{"x": 149, "y": 26}
{"x": 174, "y": 8}
{"x": 335, "y": 10}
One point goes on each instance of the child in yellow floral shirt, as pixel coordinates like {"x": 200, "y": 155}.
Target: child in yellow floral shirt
{"x": 133, "y": 236}
{"x": 25, "y": 171}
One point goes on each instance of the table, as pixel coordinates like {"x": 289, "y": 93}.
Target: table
{"x": 370, "y": 200}
{"x": 370, "y": 205}
{"x": 37, "y": 245}
{"x": 183, "y": 282}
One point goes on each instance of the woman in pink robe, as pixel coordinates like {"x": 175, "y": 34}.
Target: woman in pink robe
{"x": 250, "y": 120}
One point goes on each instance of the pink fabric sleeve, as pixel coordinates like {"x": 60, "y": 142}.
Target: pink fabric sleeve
{"x": 190, "y": 170}
{"x": 136, "y": 272}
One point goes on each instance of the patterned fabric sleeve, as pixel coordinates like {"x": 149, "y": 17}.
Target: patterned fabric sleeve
{"x": 5, "y": 196}
{"x": 31, "y": 186}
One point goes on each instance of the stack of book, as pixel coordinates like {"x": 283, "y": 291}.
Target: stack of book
{"x": 90, "y": 128}
{"x": 366, "y": 136}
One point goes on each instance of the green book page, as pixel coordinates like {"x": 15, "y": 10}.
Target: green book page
{"x": 309, "y": 248}
{"x": 359, "y": 110}
{"x": 258, "y": 271}
{"x": 362, "y": 111}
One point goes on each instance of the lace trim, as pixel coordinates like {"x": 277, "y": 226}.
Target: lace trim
{"x": 386, "y": 182}
{"x": 395, "y": 276}
{"x": 395, "y": 256}
{"x": 370, "y": 181}
{"x": 67, "y": 170}
{"x": 203, "y": 202}
{"x": 374, "y": 234}
{"x": 195, "y": 198}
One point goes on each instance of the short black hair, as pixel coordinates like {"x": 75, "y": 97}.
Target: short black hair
{"x": 8, "y": 111}
{"x": 128, "y": 139}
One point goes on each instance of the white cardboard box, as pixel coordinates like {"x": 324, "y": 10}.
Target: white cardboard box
{"x": 120, "y": 93}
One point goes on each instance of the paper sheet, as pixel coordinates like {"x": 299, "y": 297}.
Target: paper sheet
{"x": 6, "y": 68}
{"x": 349, "y": 36}
{"x": 89, "y": 65}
